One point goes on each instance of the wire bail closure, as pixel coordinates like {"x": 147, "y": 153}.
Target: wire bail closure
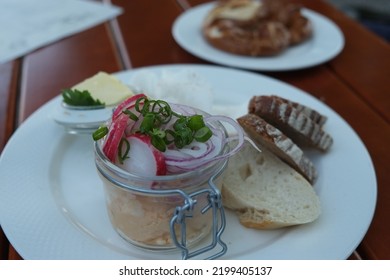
{"x": 186, "y": 211}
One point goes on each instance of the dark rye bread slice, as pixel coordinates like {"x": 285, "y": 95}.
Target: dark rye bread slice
{"x": 300, "y": 123}
{"x": 314, "y": 115}
{"x": 282, "y": 146}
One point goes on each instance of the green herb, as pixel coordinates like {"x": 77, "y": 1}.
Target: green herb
{"x": 161, "y": 111}
{"x": 131, "y": 115}
{"x": 203, "y": 134}
{"x": 185, "y": 129}
{"x": 196, "y": 122}
{"x": 158, "y": 139}
{"x": 155, "y": 114}
{"x": 100, "y": 133}
{"x": 79, "y": 98}
{"x": 123, "y": 155}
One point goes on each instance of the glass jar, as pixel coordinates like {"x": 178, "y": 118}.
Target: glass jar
{"x": 165, "y": 212}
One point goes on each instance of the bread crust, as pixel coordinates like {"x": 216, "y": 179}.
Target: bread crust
{"x": 300, "y": 123}
{"x": 276, "y": 141}
{"x": 311, "y": 113}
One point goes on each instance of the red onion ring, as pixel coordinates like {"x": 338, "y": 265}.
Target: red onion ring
{"x": 182, "y": 162}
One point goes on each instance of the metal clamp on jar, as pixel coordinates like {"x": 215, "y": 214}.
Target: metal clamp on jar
{"x": 218, "y": 221}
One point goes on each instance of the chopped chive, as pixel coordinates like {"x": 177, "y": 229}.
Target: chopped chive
{"x": 159, "y": 143}
{"x": 100, "y": 133}
{"x": 154, "y": 114}
{"x": 122, "y": 156}
{"x": 195, "y": 122}
{"x": 148, "y": 123}
{"x": 203, "y": 134}
{"x": 131, "y": 115}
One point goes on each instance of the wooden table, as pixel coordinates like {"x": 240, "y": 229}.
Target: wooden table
{"x": 354, "y": 84}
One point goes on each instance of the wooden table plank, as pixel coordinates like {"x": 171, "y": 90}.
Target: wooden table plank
{"x": 146, "y": 28}
{"x": 3, "y": 246}
{"x": 8, "y": 95}
{"x": 73, "y": 59}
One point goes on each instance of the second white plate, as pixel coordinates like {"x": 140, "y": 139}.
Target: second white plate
{"x": 326, "y": 43}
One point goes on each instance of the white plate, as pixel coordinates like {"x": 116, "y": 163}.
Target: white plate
{"x": 52, "y": 203}
{"x": 326, "y": 43}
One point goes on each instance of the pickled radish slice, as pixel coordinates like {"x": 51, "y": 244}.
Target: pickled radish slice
{"x": 143, "y": 158}
{"x": 128, "y": 103}
{"x": 115, "y": 134}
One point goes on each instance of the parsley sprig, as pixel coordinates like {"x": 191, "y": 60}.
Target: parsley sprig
{"x": 75, "y": 97}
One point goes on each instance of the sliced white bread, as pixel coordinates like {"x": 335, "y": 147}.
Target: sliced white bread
{"x": 294, "y": 122}
{"x": 282, "y": 146}
{"x": 266, "y": 193}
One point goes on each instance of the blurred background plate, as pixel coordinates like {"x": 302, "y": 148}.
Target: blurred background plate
{"x": 326, "y": 43}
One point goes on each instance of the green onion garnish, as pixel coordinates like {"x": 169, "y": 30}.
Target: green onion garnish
{"x": 100, "y": 133}
{"x": 156, "y": 113}
{"x": 203, "y": 134}
{"x": 123, "y": 155}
